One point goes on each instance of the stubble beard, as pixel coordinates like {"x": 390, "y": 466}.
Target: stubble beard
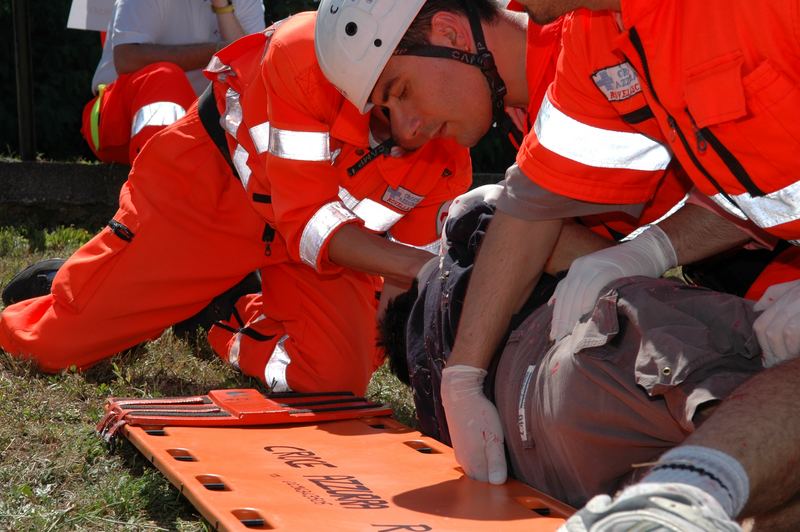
{"x": 541, "y": 18}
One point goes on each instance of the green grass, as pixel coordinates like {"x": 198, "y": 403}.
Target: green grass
{"x": 55, "y": 472}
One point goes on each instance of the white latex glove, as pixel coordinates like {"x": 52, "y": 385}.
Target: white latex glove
{"x": 649, "y": 254}
{"x": 778, "y": 326}
{"x": 474, "y": 424}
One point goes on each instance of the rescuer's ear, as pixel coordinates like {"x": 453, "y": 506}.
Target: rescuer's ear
{"x": 451, "y": 30}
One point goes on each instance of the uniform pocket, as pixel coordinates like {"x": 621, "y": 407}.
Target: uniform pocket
{"x": 79, "y": 279}
{"x": 714, "y": 91}
{"x": 755, "y": 116}
{"x": 657, "y": 334}
{"x": 668, "y": 356}
{"x": 774, "y": 130}
{"x": 770, "y": 93}
{"x": 700, "y": 333}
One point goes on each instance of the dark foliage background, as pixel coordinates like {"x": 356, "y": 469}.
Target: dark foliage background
{"x": 63, "y": 63}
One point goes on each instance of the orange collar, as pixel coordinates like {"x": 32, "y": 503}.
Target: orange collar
{"x": 350, "y": 126}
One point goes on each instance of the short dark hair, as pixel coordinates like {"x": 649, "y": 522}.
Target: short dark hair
{"x": 419, "y": 31}
{"x": 392, "y": 332}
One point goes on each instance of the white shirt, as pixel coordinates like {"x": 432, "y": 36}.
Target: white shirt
{"x": 169, "y": 22}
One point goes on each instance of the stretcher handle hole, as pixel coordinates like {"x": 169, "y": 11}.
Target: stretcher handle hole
{"x": 251, "y": 519}
{"x": 155, "y": 431}
{"x": 182, "y": 455}
{"x": 421, "y": 447}
{"x": 539, "y": 506}
{"x": 212, "y": 483}
{"x": 384, "y": 423}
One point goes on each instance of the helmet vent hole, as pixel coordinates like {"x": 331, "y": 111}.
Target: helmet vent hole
{"x": 377, "y": 43}
{"x": 351, "y": 28}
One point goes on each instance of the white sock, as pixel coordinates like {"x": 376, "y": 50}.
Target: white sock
{"x": 716, "y": 473}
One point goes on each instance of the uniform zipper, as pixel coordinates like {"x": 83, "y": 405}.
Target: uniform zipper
{"x": 703, "y": 136}
{"x": 673, "y": 124}
{"x": 702, "y": 143}
{"x": 730, "y": 160}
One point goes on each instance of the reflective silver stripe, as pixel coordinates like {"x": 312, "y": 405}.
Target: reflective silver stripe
{"x": 240, "y": 156}
{"x": 349, "y": 201}
{"x": 592, "y": 146}
{"x": 260, "y": 136}
{"x": 230, "y": 120}
{"x": 675, "y": 208}
{"x": 232, "y": 117}
{"x": 375, "y": 216}
{"x": 729, "y": 207}
{"x": 156, "y": 114}
{"x": 216, "y": 66}
{"x": 275, "y": 370}
{"x": 233, "y": 352}
{"x": 299, "y": 145}
{"x": 773, "y": 209}
{"x": 434, "y": 247}
{"x": 319, "y": 228}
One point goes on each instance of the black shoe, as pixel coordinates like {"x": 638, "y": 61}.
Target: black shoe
{"x": 220, "y": 308}
{"x": 33, "y": 281}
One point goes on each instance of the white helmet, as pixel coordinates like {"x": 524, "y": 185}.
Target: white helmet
{"x": 354, "y": 40}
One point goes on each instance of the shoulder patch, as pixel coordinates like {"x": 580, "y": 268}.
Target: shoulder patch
{"x": 618, "y": 82}
{"x": 400, "y": 198}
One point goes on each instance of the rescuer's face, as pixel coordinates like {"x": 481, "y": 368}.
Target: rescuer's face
{"x": 429, "y": 97}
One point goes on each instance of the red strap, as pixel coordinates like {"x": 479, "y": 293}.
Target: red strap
{"x": 237, "y": 407}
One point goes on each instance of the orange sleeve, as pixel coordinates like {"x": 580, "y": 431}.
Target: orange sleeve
{"x": 304, "y": 185}
{"x": 422, "y": 226}
{"x": 580, "y": 146}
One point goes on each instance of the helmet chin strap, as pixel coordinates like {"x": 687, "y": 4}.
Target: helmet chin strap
{"x": 483, "y": 59}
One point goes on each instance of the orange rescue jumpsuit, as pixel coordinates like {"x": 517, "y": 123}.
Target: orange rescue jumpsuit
{"x": 544, "y": 45}
{"x": 126, "y": 113}
{"x": 188, "y": 229}
{"x": 719, "y": 93}
{"x": 246, "y": 330}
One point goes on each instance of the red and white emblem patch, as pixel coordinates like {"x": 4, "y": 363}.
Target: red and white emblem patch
{"x": 401, "y": 199}
{"x": 618, "y": 82}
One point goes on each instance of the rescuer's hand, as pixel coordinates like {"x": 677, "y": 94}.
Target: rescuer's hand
{"x": 778, "y": 326}
{"x": 649, "y": 254}
{"x": 474, "y": 424}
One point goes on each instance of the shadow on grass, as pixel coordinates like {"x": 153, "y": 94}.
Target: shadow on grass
{"x": 168, "y": 366}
